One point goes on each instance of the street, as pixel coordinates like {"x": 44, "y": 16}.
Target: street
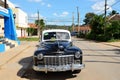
{"x": 102, "y": 62}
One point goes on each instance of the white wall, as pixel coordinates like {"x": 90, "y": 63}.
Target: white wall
{"x": 1, "y": 27}
{"x": 21, "y": 19}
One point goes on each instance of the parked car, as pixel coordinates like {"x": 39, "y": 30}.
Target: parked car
{"x": 74, "y": 33}
{"x": 57, "y": 53}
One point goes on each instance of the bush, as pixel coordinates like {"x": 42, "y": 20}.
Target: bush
{"x": 102, "y": 37}
{"x": 81, "y": 35}
{"x": 91, "y": 36}
{"x": 99, "y": 37}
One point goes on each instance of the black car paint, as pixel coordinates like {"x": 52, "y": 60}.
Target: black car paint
{"x": 47, "y": 48}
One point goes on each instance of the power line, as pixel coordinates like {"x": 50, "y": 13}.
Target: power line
{"x": 115, "y": 3}
{"x": 109, "y": 7}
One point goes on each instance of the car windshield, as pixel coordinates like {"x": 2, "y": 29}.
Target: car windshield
{"x": 56, "y": 36}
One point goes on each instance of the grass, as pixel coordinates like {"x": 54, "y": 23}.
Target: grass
{"x": 29, "y": 39}
{"x": 114, "y": 40}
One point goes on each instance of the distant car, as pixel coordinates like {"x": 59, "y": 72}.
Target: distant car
{"x": 74, "y": 33}
{"x": 56, "y": 53}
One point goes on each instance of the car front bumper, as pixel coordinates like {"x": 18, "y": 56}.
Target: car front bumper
{"x": 46, "y": 68}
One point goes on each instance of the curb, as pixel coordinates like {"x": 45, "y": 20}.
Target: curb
{"x": 111, "y": 45}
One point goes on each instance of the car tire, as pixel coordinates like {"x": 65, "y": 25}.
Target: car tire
{"x": 76, "y": 71}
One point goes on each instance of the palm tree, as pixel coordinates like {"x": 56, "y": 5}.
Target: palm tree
{"x": 40, "y": 24}
{"x": 113, "y": 12}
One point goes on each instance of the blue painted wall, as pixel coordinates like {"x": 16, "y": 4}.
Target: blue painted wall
{"x": 10, "y": 28}
{"x": 2, "y": 47}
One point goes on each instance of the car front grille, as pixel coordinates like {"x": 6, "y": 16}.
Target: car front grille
{"x": 58, "y": 60}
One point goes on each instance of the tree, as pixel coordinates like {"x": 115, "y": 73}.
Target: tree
{"x": 40, "y": 24}
{"x": 114, "y": 30}
{"x": 97, "y": 28}
{"x": 113, "y": 12}
{"x": 97, "y": 24}
{"x": 30, "y": 31}
{"x": 88, "y": 17}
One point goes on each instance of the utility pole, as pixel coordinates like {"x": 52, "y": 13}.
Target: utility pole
{"x": 105, "y": 8}
{"x": 78, "y": 17}
{"x": 105, "y": 14}
{"x": 38, "y": 21}
{"x": 5, "y": 3}
{"x": 73, "y": 22}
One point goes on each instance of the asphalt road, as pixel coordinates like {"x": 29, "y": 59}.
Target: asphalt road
{"x": 102, "y": 62}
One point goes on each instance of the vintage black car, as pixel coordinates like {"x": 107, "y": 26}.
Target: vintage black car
{"x": 56, "y": 53}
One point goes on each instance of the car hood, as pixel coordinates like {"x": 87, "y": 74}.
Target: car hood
{"x": 56, "y": 48}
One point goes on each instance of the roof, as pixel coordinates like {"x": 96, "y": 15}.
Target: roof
{"x": 115, "y": 17}
{"x": 83, "y": 28}
{"x": 32, "y": 25}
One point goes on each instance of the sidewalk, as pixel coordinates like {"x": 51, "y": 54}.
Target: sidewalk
{"x": 7, "y": 56}
{"x": 115, "y": 44}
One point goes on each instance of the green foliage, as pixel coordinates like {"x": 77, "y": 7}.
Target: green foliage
{"x": 81, "y": 35}
{"x": 88, "y": 17}
{"x": 58, "y": 27}
{"x": 113, "y": 12}
{"x": 97, "y": 24}
{"x": 41, "y": 25}
{"x": 102, "y": 31}
{"x": 114, "y": 30}
{"x": 30, "y": 30}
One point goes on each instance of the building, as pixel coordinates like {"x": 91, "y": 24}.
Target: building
{"x": 1, "y": 20}
{"x": 83, "y": 29}
{"x": 21, "y": 23}
{"x": 114, "y": 17}
{"x": 32, "y": 25}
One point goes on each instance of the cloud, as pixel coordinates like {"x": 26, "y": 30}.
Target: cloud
{"x": 49, "y": 5}
{"x": 63, "y": 14}
{"x": 99, "y": 5}
{"x": 41, "y": 3}
{"x": 35, "y": 0}
{"x": 35, "y": 16}
{"x": 55, "y": 14}
{"x": 94, "y": 0}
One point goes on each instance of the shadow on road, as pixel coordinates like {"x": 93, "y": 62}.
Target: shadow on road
{"x": 25, "y": 63}
{"x": 27, "y": 72}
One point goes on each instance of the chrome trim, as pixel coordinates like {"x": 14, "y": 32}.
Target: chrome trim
{"x": 45, "y": 68}
{"x": 58, "y": 63}
{"x": 58, "y": 60}
{"x": 60, "y": 56}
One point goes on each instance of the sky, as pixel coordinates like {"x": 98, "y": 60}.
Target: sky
{"x": 61, "y": 11}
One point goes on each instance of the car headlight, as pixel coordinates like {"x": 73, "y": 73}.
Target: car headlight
{"x": 40, "y": 56}
{"x": 77, "y": 54}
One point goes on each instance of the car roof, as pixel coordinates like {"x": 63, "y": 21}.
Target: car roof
{"x": 56, "y": 30}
